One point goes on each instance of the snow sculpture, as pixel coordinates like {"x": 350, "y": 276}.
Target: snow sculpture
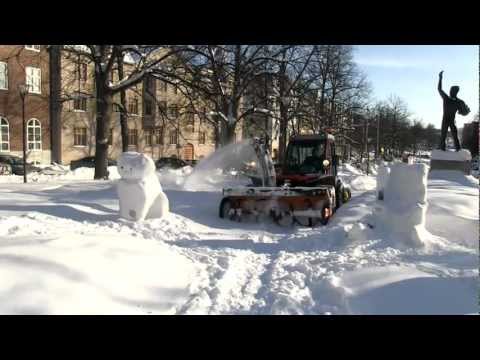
{"x": 139, "y": 189}
{"x": 405, "y": 204}
{"x": 382, "y": 177}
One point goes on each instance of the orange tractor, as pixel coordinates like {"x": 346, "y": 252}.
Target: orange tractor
{"x": 306, "y": 190}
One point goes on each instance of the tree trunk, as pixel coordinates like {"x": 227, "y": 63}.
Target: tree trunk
{"x": 123, "y": 113}
{"x": 104, "y": 115}
{"x": 282, "y": 143}
{"x": 55, "y": 102}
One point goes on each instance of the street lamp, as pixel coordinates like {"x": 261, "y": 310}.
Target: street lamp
{"x": 23, "y": 89}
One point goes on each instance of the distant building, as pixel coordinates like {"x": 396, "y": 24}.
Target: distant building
{"x": 25, "y": 65}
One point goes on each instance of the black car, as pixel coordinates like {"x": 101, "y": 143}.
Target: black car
{"x": 16, "y": 163}
{"x": 172, "y": 163}
{"x": 88, "y": 162}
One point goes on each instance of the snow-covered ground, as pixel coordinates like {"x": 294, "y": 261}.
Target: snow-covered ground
{"x": 64, "y": 250}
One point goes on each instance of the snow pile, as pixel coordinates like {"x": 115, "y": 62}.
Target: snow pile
{"x": 405, "y": 204}
{"x": 462, "y": 155}
{"x": 139, "y": 190}
{"x": 59, "y": 173}
{"x": 63, "y": 268}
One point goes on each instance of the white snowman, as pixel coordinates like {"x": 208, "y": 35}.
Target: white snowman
{"x": 139, "y": 189}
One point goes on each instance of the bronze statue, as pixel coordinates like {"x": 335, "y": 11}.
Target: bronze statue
{"x": 451, "y": 104}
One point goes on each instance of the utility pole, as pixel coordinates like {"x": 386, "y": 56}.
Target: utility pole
{"x": 366, "y": 142}
{"x": 377, "y": 153}
{"x": 23, "y": 92}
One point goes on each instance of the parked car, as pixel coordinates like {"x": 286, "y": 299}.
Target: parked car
{"x": 88, "y": 162}
{"x": 16, "y": 164}
{"x": 170, "y": 162}
{"x": 5, "y": 169}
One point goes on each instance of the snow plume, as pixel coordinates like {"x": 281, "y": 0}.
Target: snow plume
{"x": 209, "y": 174}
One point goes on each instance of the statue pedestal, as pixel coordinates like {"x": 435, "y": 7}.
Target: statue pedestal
{"x": 451, "y": 160}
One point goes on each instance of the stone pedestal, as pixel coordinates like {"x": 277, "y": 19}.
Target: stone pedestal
{"x": 451, "y": 160}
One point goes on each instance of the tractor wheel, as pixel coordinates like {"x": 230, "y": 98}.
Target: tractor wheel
{"x": 225, "y": 207}
{"x": 346, "y": 194}
{"x": 339, "y": 197}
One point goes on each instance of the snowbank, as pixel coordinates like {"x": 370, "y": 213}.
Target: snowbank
{"x": 382, "y": 178}
{"x": 88, "y": 271}
{"x": 54, "y": 174}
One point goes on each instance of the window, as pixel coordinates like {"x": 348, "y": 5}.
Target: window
{"x": 3, "y": 76}
{"x": 173, "y": 111}
{"x": 148, "y": 107}
{"x": 34, "y": 135}
{"x": 148, "y": 137}
{"x": 173, "y": 137}
{"x": 33, "y": 47}
{"x": 80, "y": 136}
{"x": 80, "y": 103}
{"x": 163, "y": 86}
{"x": 159, "y": 136}
{"x": 4, "y": 135}
{"x": 116, "y": 107}
{"x": 133, "y": 106}
{"x": 33, "y": 77}
{"x": 162, "y": 105}
{"x": 132, "y": 137}
{"x": 191, "y": 117}
{"x": 81, "y": 71}
{"x": 202, "y": 138}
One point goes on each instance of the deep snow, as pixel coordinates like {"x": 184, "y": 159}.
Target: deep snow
{"x": 63, "y": 249}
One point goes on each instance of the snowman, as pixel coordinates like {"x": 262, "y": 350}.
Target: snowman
{"x": 139, "y": 189}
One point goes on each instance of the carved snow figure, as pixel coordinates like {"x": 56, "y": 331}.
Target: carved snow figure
{"x": 139, "y": 190}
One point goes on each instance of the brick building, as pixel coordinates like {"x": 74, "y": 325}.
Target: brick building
{"x": 25, "y": 65}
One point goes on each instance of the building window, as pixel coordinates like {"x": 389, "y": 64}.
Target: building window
{"x": 148, "y": 107}
{"x": 80, "y": 103}
{"x": 173, "y": 111}
{"x": 202, "y": 138}
{"x": 3, "y": 75}
{"x": 4, "y": 135}
{"x": 148, "y": 137}
{"x": 80, "y": 136}
{"x": 173, "y": 137}
{"x": 132, "y": 137}
{"x": 191, "y": 117}
{"x": 81, "y": 71}
{"x": 33, "y": 47}
{"x": 33, "y": 77}
{"x": 34, "y": 135}
{"x": 163, "y": 86}
{"x": 133, "y": 106}
{"x": 159, "y": 136}
{"x": 162, "y": 105}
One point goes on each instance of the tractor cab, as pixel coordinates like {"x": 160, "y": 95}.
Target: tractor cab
{"x": 310, "y": 160}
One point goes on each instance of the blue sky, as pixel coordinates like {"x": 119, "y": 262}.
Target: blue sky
{"x": 411, "y": 72}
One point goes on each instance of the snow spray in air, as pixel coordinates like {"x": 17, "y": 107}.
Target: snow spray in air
{"x": 221, "y": 167}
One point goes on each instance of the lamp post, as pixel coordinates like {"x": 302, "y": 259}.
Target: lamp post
{"x": 23, "y": 89}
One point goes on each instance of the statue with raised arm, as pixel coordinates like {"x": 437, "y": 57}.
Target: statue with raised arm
{"x": 451, "y": 104}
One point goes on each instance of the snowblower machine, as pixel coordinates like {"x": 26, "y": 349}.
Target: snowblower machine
{"x": 306, "y": 190}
